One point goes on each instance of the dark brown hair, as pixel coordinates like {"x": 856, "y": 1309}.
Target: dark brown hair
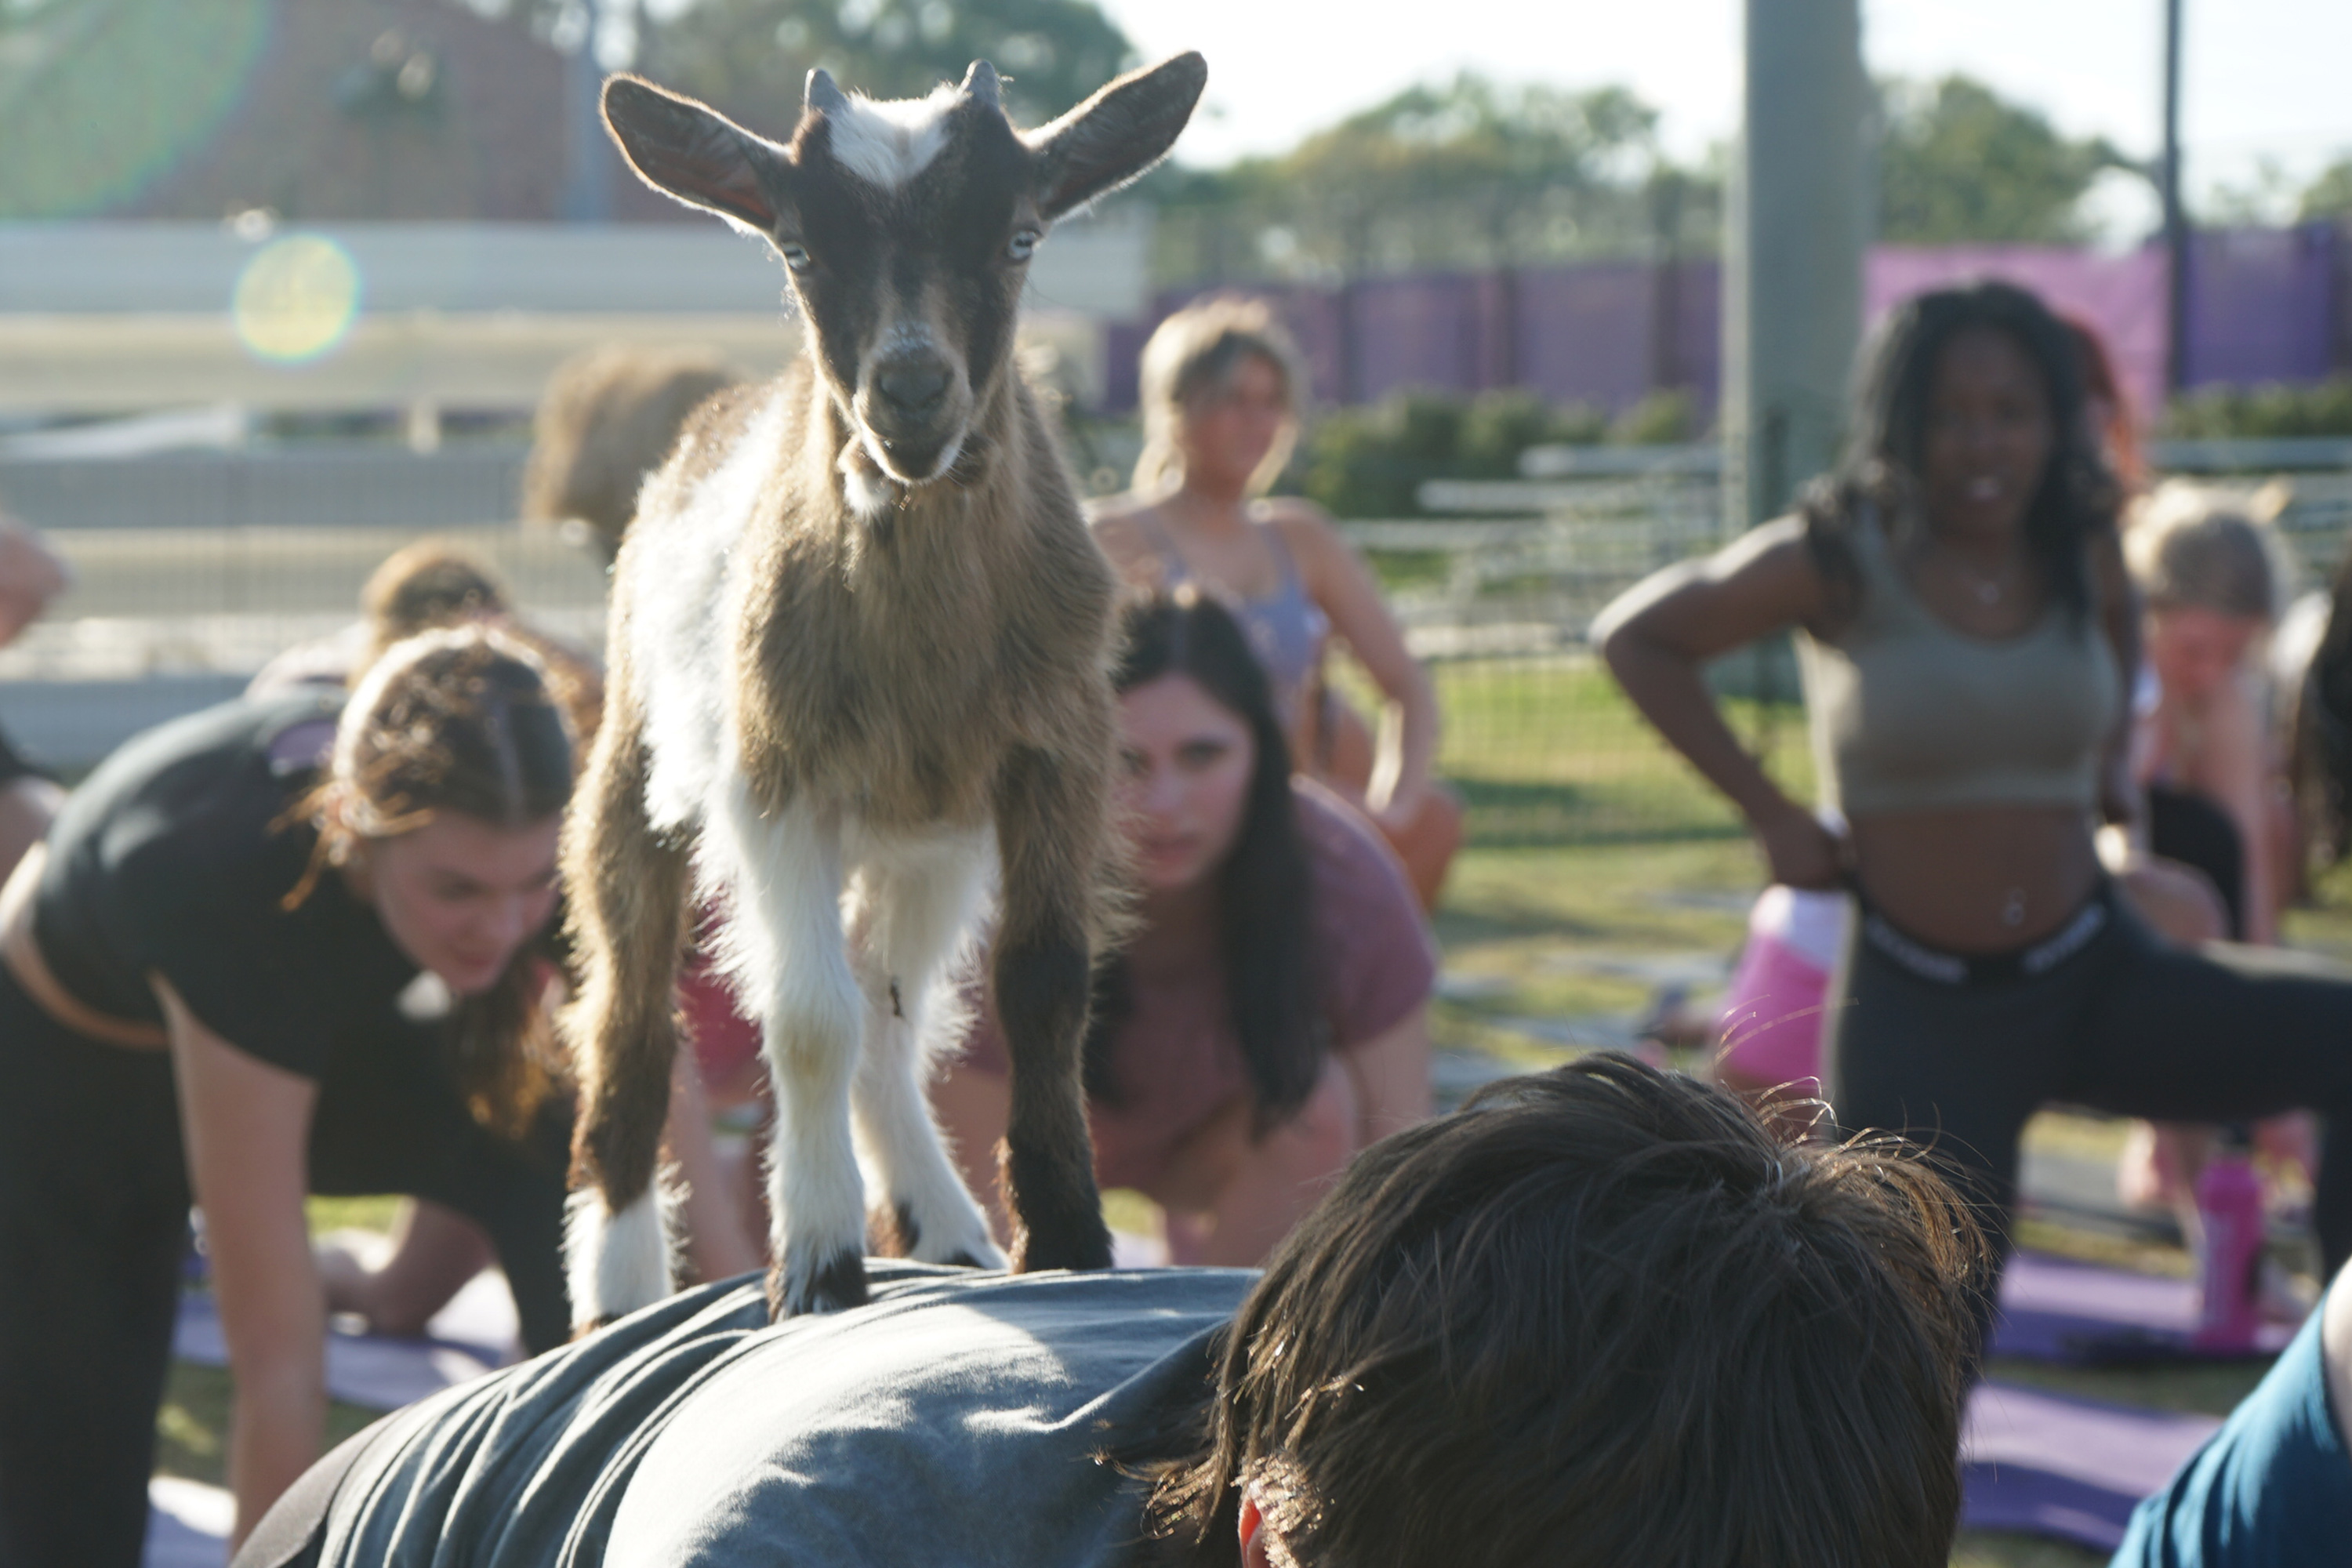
{"x": 2119, "y": 431}
{"x": 459, "y": 720}
{"x": 1599, "y": 1316}
{"x": 1265, "y": 888}
{"x": 430, "y": 584}
{"x": 1878, "y": 479}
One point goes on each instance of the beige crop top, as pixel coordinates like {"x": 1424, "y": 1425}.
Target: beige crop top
{"x": 1909, "y": 715}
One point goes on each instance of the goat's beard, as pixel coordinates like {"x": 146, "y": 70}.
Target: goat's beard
{"x": 941, "y": 463}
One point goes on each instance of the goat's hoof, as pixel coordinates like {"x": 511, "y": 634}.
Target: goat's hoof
{"x": 833, "y": 1285}
{"x": 1073, "y": 1244}
{"x": 593, "y": 1326}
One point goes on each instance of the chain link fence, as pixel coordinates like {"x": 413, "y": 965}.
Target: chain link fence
{"x": 193, "y": 571}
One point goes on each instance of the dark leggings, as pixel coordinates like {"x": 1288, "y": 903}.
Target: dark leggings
{"x": 2125, "y": 1024}
{"x": 94, "y": 1225}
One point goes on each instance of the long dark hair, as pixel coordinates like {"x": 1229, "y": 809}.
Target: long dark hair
{"x": 457, "y": 721}
{"x": 1879, "y": 474}
{"x": 1264, "y": 893}
{"x": 1598, "y": 1316}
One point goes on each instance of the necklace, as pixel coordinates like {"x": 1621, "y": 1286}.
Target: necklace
{"x": 1987, "y": 589}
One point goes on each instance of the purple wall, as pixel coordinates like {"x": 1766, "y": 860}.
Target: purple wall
{"x": 2263, "y": 302}
{"x": 2121, "y": 296}
{"x": 2266, "y": 305}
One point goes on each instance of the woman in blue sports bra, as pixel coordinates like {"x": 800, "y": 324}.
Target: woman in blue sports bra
{"x": 1965, "y": 616}
{"x": 1220, "y": 384}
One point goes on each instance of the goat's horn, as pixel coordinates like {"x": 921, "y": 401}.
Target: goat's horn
{"x": 980, "y": 82}
{"x": 824, "y": 95}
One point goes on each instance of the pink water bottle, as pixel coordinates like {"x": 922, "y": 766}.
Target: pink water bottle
{"x": 2229, "y": 1249}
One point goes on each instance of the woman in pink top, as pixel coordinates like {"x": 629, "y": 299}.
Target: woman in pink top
{"x": 1269, "y": 1016}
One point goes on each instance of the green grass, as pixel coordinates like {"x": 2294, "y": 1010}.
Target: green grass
{"x": 191, "y": 1428}
{"x": 1549, "y": 752}
{"x": 1588, "y": 842}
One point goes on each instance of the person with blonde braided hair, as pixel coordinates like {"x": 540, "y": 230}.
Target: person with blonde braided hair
{"x": 278, "y": 947}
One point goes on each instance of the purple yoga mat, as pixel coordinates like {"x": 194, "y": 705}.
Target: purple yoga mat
{"x": 2047, "y": 1464}
{"x": 2055, "y": 1308}
{"x": 188, "y": 1525}
{"x": 475, "y": 1333}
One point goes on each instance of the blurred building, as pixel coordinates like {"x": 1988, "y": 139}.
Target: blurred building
{"x": 316, "y": 110}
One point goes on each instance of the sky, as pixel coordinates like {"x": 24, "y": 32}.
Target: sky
{"x": 2262, "y": 78}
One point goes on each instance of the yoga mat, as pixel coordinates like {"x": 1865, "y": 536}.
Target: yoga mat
{"x": 475, "y": 1333}
{"x": 2047, "y": 1464}
{"x": 2055, "y": 1309}
{"x": 2044, "y": 1464}
{"x": 188, "y": 1525}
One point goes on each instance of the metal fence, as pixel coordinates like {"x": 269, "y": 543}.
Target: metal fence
{"x": 193, "y": 571}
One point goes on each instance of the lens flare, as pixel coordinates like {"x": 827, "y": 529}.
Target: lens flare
{"x": 296, "y": 298}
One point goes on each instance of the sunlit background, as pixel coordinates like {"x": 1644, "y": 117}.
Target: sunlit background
{"x": 281, "y": 283}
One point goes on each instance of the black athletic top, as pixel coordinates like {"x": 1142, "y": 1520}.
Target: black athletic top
{"x": 174, "y": 858}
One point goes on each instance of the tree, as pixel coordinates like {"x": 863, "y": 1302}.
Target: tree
{"x": 2329, "y": 196}
{"x": 1959, "y": 162}
{"x": 752, "y": 57}
{"x": 1467, "y": 174}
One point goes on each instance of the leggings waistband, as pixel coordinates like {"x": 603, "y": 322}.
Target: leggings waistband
{"x": 1915, "y": 957}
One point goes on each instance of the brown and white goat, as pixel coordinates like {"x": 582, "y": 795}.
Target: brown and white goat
{"x": 860, "y": 676}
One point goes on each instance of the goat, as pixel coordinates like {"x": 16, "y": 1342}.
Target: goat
{"x": 859, "y": 671}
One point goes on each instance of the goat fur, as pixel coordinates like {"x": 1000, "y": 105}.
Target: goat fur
{"x": 856, "y": 705}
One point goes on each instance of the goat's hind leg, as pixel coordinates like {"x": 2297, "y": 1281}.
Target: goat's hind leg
{"x": 784, "y": 949}
{"x": 627, "y": 888}
{"x": 910, "y": 910}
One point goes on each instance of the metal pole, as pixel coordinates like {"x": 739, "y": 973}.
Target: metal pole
{"x": 2176, "y": 217}
{"x": 1793, "y": 273}
{"x": 590, "y": 162}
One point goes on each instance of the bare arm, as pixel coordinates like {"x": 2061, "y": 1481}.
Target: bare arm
{"x": 1390, "y": 1073}
{"x": 1657, "y": 637}
{"x": 2232, "y": 767}
{"x": 2120, "y": 797}
{"x": 31, "y": 574}
{"x": 1344, "y": 587}
{"x": 972, "y": 1106}
{"x": 248, "y": 1128}
{"x": 719, "y": 1239}
{"x": 1121, "y": 541}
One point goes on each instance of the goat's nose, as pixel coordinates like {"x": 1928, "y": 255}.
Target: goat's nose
{"x": 912, "y": 388}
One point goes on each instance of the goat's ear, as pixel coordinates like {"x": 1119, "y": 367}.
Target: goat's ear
{"x": 694, "y": 153}
{"x": 1115, "y": 135}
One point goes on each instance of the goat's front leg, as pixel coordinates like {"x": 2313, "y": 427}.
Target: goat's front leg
{"x": 783, "y": 948}
{"x": 1049, "y": 829}
{"x": 626, "y": 888}
{"x": 909, "y": 906}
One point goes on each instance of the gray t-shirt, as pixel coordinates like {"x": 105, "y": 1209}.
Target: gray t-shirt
{"x": 957, "y": 1419}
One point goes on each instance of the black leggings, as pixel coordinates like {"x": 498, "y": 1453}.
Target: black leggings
{"x": 2124, "y": 1025}
{"x": 94, "y": 1225}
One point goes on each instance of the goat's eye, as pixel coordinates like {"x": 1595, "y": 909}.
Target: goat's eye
{"x": 1024, "y": 245}
{"x": 797, "y": 256}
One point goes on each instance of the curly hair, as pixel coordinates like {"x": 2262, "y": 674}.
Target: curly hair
{"x": 1878, "y": 477}
{"x": 459, "y": 720}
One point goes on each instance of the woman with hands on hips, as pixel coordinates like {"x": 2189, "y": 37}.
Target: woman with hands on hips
{"x": 1966, "y": 623}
